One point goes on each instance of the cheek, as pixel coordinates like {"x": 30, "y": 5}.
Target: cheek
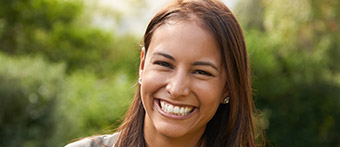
{"x": 209, "y": 104}
{"x": 153, "y": 80}
{"x": 151, "y": 83}
{"x": 210, "y": 92}
{"x": 210, "y": 95}
{"x": 209, "y": 101}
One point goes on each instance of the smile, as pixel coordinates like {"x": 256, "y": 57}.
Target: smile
{"x": 175, "y": 110}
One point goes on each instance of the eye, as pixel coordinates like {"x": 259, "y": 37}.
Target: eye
{"x": 163, "y": 63}
{"x": 201, "y": 72}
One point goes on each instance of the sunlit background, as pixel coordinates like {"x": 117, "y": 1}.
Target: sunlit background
{"x": 68, "y": 67}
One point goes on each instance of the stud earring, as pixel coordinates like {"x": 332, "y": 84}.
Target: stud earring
{"x": 140, "y": 80}
{"x": 226, "y": 100}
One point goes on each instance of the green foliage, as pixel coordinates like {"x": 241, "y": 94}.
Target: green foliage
{"x": 296, "y": 95}
{"x": 49, "y": 104}
{"x": 40, "y": 105}
{"x": 295, "y": 56}
{"x": 55, "y": 29}
{"x": 90, "y": 105}
{"x": 29, "y": 88}
{"x": 22, "y": 21}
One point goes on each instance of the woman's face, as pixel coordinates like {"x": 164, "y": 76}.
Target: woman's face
{"x": 182, "y": 80}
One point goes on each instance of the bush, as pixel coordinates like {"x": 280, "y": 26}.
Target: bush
{"x": 62, "y": 31}
{"x": 41, "y": 106}
{"x": 297, "y": 92}
{"x": 29, "y": 88}
{"x": 90, "y": 106}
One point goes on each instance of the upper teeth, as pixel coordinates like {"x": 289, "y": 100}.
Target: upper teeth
{"x": 177, "y": 110}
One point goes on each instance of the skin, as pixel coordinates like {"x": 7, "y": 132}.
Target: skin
{"x": 182, "y": 67}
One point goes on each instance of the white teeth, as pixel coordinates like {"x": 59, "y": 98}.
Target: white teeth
{"x": 181, "y": 111}
{"x": 162, "y": 104}
{"x": 171, "y": 108}
{"x": 177, "y": 110}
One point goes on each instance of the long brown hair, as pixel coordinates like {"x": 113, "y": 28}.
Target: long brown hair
{"x": 233, "y": 124}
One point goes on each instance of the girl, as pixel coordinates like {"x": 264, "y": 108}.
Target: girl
{"x": 194, "y": 82}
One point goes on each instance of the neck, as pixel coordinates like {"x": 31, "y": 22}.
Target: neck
{"x": 153, "y": 138}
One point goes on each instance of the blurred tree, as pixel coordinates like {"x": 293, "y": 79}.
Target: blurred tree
{"x": 28, "y": 100}
{"x": 25, "y": 21}
{"x": 90, "y": 106}
{"x": 250, "y": 13}
{"x": 46, "y": 103}
{"x": 295, "y": 57}
{"x": 58, "y": 30}
{"x": 50, "y": 109}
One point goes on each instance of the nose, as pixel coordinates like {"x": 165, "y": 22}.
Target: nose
{"x": 178, "y": 85}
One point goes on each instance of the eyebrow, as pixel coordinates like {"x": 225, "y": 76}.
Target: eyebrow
{"x": 165, "y": 55}
{"x": 205, "y": 64}
{"x": 195, "y": 63}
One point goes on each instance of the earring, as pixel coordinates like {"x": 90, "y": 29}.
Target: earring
{"x": 140, "y": 80}
{"x": 226, "y": 100}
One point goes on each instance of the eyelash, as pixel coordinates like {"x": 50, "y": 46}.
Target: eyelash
{"x": 162, "y": 63}
{"x": 202, "y": 72}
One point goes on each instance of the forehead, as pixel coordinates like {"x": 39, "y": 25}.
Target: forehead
{"x": 185, "y": 38}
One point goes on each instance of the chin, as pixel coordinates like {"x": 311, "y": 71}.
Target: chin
{"x": 171, "y": 131}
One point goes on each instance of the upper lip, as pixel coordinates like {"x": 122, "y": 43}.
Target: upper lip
{"x": 177, "y": 104}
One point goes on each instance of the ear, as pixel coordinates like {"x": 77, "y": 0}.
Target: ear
{"x": 225, "y": 94}
{"x": 142, "y": 60}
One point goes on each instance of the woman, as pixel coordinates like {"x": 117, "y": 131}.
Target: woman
{"x": 194, "y": 82}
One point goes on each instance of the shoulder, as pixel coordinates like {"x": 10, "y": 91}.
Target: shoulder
{"x": 96, "y": 141}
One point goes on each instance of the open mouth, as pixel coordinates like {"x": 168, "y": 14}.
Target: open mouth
{"x": 174, "y": 109}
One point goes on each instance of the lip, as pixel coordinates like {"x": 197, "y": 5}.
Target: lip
{"x": 173, "y": 116}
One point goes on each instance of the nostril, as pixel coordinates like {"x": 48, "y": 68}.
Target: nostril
{"x": 179, "y": 83}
